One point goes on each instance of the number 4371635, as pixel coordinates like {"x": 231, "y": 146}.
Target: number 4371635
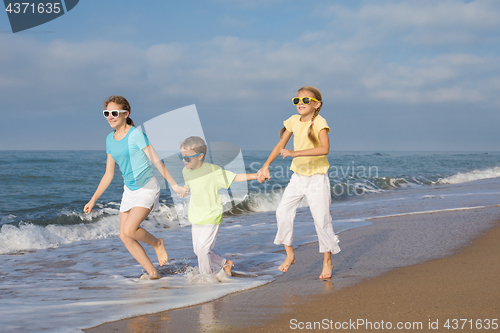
{"x": 478, "y": 324}
{"x": 26, "y": 7}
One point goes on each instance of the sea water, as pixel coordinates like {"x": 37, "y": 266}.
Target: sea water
{"x": 63, "y": 270}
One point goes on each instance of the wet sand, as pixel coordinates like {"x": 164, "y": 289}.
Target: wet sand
{"x": 422, "y": 268}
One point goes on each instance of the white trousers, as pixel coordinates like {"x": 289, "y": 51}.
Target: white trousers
{"x": 316, "y": 189}
{"x": 204, "y": 237}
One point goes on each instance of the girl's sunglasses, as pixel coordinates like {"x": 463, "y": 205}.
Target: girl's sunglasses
{"x": 188, "y": 158}
{"x": 305, "y": 100}
{"x": 113, "y": 113}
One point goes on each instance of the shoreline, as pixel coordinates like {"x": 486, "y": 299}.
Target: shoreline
{"x": 369, "y": 272}
{"x": 455, "y": 293}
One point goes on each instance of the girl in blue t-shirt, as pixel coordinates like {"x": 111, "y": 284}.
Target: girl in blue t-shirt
{"x": 130, "y": 149}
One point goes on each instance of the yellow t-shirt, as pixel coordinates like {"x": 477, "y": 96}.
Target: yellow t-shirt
{"x": 204, "y": 183}
{"x": 307, "y": 165}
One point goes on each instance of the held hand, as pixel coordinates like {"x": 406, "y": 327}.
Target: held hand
{"x": 88, "y": 207}
{"x": 263, "y": 174}
{"x": 181, "y": 191}
{"x": 285, "y": 152}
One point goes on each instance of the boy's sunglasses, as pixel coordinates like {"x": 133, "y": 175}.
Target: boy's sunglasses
{"x": 188, "y": 158}
{"x": 305, "y": 100}
{"x": 113, "y": 113}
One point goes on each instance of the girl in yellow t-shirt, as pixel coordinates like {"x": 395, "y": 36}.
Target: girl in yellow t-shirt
{"x": 310, "y": 177}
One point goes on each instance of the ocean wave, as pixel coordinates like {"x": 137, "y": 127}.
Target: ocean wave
{"x": 263, "y": 202}
{"x": 258, "y": 200}
{"x": 377, "y": 155}
{"x": 73, "y": 226}
{"x": 29, "y": 237}
{"x": 101, "y": 223}
{"x": 470, "y": 176}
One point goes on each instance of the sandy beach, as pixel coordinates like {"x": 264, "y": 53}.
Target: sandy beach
{"x": 418, "y": 272}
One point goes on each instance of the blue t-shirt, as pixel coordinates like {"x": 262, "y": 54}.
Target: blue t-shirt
{"x": 129, "y": 155}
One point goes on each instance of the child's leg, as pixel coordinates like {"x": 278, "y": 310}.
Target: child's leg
{"x": 319, "y": 199}
{"x": 131, "y": 234}
{"x": 289, "y": 260}
{"x": 327, "y": 266}
{"x": 217, "y": 262}
{"x": 228, "y": 266}
{"x": 285, "y": 215}
{"x": 204, "y": 237}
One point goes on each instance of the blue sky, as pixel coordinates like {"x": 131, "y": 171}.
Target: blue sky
{"x": 395, "y": 75}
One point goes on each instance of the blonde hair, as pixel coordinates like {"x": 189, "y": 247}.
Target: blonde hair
{"x": 195, "y": 143}
{"x": 120, "y": 100}
{"x": 316, "y": 94}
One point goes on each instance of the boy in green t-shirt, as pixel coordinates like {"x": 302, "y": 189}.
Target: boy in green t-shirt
{"x": 204, "y": 181}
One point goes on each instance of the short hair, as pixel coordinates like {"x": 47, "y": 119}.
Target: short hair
{"x": 195, "y": 143}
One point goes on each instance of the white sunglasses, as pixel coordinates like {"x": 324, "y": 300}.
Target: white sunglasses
{"x": 113, "y": 113}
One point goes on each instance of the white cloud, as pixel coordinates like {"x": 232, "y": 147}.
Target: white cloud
{"x": 483, "y": 14}
{"x": 425, "y": 22}
{"x": 384, "y": 55}
{"x": 240, "y": 70}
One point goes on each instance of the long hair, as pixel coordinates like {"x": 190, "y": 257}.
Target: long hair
{"x": 316, "y": 94}
{"x": 120, "y": 100}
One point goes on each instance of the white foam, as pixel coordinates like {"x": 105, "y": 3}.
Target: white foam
{"x": 66, "y": 297}
{"x": 29, "y": 237}
{"x": 429, "y": 212}
{"x": 268, "y": 202}
{"x": 194, "y": 277}
{"x": 471, "y": 176}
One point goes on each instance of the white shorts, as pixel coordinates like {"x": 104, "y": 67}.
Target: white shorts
{"x": 147, "y": 196}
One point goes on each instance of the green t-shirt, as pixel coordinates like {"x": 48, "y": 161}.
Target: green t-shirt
{"x": 204, "y": 183}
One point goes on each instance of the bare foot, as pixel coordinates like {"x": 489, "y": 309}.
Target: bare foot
{"x": 161, "y": 253}
{"x": 228, "y": 266}
{"x": 150, "y": 276}
{"x": 289, "y": 261}
{"x": 327, "y": 270}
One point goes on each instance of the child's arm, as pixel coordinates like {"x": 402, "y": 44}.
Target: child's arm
{"x": 263, "y": 173}
{"x": 153, "y": 156}
{"x": 243, "y": 177}
{"x": 322, "y": 149}
{"x": 103, "y": 184}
